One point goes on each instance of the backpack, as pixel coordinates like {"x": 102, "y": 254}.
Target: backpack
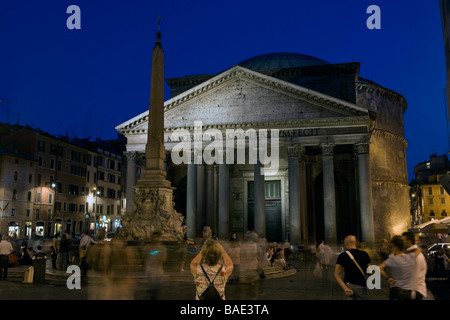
{"x": 211, "y": 292}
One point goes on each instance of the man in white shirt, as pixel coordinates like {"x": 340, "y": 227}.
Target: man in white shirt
{"x": 420, "y": 271}
{"x": 5, "y": 250}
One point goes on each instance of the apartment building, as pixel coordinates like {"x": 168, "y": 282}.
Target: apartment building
{"x": 52, "y": 184}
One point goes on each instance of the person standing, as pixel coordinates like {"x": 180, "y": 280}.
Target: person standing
{"x": 354, "y": 263}
{"x": 421, "y": 266}
{"x": 5, "y": 250}
{"x": 401, "y": 269}
{"x": 64, "y": 247}
{"x": 85, "y": 242}
{"x": 205, "y": 267}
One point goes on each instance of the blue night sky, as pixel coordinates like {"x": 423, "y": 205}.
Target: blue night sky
{"x": 85, "y": 82}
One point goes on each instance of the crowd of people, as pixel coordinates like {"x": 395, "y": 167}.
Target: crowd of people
{"x": 402, "y": 263}
{"x": 63, "y": 251}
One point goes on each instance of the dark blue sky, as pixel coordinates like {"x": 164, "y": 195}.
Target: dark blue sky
{"x": 85, "y": 82}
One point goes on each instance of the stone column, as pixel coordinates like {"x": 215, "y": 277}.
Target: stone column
{"x": 224, "y": 201}
{"x": 260, "y": 201}
{"x": 216, "y": 197}
{"x": 191, "y": 200}
{"x": 200, "y": 198}
{"x": 365, "y": 192}
{"x": 295, "y": 222}
{"x": 130, "y": 179}
{"x": 210, "y": 196}
{"x": 329, "y": 196}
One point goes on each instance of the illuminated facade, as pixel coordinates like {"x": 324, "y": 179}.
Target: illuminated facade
{"x": 342, "y": 151}
{"x": 429, "y": 199}
{"x": 51, "y": 185}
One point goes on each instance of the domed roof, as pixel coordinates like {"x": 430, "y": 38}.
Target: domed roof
{"x": 280, "y": 60}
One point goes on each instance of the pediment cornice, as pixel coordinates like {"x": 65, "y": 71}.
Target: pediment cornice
{"x": 357, "y": 121}
{"x": 345, "y": 108}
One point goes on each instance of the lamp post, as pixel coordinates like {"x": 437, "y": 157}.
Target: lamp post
{"x": 95, "y": 194}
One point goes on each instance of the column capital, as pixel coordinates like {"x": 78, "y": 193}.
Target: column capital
{"x": 296, "y": 151}
{"x": 362, "y": 147}
{"x": 327, "y": 149}
{"x": 130, "y": 155}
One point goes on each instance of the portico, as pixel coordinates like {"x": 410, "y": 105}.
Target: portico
{"x": 310, "y": 126}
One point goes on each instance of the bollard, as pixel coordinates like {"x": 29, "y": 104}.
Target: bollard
{"x": 29, "y": 274}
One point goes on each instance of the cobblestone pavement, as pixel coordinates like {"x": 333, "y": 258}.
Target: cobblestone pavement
{"x": 308, "y": 283}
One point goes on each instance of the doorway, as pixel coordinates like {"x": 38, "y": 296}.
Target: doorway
{"x": 274, "y": 228}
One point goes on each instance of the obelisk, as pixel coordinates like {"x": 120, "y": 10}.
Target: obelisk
{"x": 153, "y": 205}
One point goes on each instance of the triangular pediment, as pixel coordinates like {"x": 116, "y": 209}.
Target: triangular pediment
{"x": 240, "y": 96}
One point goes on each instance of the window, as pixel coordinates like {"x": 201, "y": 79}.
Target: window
{"x": 430, "y": 190}
{"x": 13, "y": 212}
{"x": 49, "y": 214}
{"x": 39, "y": 180}
{"x": 443, "y": 213}
{"x": 50, "y": 198}
{"x": 431, "y": 213}
{"x": 29, "y": 196}
{"x": 40, "y": 162}
{"x": 16, "y": 175}
{"x": 52, "y": 163}
{"x": 100, "y": 161}
{"x": 41, "y": 146}
{"x": 14, "y": 194}
{"x": 430, "y": 201}
{"x": 111, "y": 178}
{"x": 38, "y": 197}
{"x": 75, "y": 156}
{"x": 441, "y": 190}
{"x": 58, "y": 187}
{"x": 111, "y": 193}
{"x": 30, "y": 178}
{"x": 73, "y": 207}
{"x": 99, "y": 208}
{"x": 56, "y": 150}
{"x": 37, "y": 214}
{"x": 73, "y": 189}
{"x": 57, "y": 206}
{"x": 442, "y": 200}
{"x": 111, "y": 164}
{"x": 28, "y": 212}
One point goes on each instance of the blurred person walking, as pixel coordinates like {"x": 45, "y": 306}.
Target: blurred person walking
{"x": 324, "y": 255}
{"x": 156, "y": 257}
{"x": 354, "y": 263}
{"x": 185, "y": 247}
{"x": 401, "y": 268}
{"x": 5, "y": 250}
{"x": 206, "y": 269}
{"x": 85, "y": 242}
{"x": 421, "y": 267}
{"x": 235, "y": 255}
{"x": 64, "y": 248}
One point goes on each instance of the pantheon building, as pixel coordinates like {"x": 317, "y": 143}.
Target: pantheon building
{"x": 342, "y": 152}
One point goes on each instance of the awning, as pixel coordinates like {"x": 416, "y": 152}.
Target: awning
{"x": 433, "y": 226}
